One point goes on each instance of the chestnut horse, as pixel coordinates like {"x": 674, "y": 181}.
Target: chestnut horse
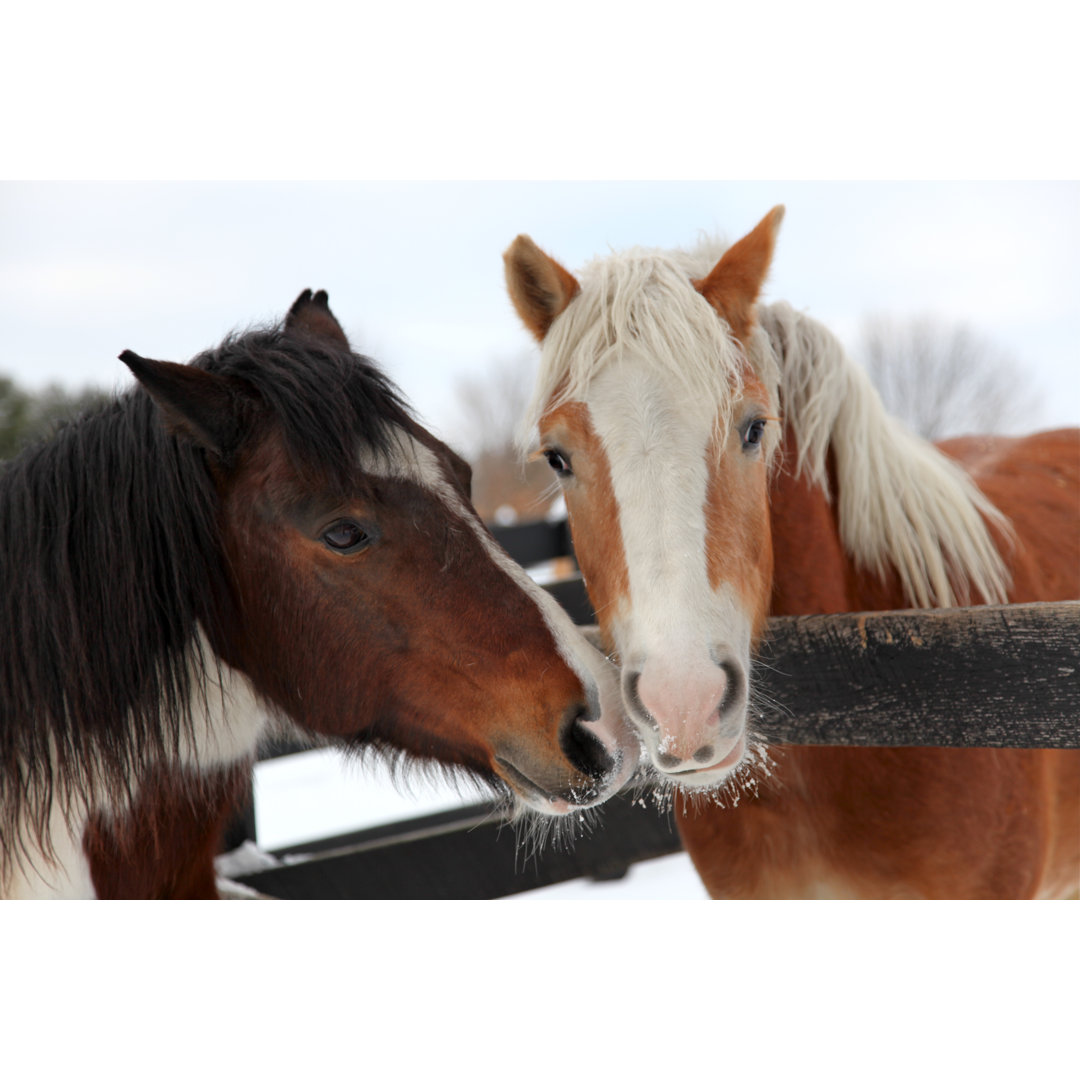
{"x": 723, "y": 461}
{"x": 263, "y": 540}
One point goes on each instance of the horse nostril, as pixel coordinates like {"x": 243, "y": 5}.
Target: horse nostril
{"x": 633, "y": 700}
{"x": 670, "y": 761}
{"x": 582, "y": 748}
{"x": 735, "y": 694}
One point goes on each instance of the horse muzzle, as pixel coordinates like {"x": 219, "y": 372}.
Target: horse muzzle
{"x": 691, "y": 719}
{"x": 600, "y": 757}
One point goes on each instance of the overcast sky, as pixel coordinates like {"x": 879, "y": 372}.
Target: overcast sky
{"x": 414, "y": 271}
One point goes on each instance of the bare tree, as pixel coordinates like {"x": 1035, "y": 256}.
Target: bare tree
{"x": 943, "y": 379}
{"x": 489, "y": 407}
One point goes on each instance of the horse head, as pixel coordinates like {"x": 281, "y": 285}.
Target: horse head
{"x": 367, "y": 604}
{"x": 656, "y": 408}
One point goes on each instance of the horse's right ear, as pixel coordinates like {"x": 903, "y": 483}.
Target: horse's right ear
{"x": 539, "y": 287}
{"x": 311, "y": 314}
{"x": 211, "y": 410}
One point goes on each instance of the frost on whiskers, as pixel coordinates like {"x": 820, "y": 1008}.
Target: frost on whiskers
{"x": 755, "y": 768}
{"x": 535, "y": 832}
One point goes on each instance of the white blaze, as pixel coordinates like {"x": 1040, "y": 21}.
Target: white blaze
{"x": 678, "y": 627}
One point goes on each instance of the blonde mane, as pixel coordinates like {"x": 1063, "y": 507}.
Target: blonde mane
{"x": 900, "y": 502}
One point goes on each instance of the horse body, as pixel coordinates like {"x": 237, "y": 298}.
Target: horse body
{"x": 262, "y": 540}
{"x": 723, "y": 461}
{"x": 931, "y": 822}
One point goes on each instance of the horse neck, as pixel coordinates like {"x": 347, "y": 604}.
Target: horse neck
{"x": 813, "y": 573}
{"x": 97, "y": 671}
{"x": 902, "y": 504}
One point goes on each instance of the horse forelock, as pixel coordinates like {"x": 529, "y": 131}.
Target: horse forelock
{"x": 327, "y": 404}
{"x": 642, "y": 302}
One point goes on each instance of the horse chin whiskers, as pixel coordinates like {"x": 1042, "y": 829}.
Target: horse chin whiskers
{"x": 535, "y": 831}
{"x": 744, "y": 781}
{"x": 408, "y": 772}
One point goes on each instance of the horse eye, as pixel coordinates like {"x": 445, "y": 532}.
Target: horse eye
{"x": 344, "y": 536}
{"x": 559, "y": 463}
{"x": 754, "y": 433}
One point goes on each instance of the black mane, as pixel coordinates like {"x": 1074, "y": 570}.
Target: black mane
{"x": 110, "y": 561}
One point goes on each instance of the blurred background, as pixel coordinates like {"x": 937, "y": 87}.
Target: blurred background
{"x": 959, "y": 297}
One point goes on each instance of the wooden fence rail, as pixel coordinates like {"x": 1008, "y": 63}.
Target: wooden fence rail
{"x": 985, "y": 676}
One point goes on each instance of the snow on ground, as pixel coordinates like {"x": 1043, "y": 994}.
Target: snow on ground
{"x": 671, "y": 877}
{"x": 319, "y": 793}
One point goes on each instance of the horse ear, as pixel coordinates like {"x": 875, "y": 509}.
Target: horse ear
{"x": 734, "y": 283}
{"x": 311, "y": 314}
{"x": 539, "y": 287}
{"x": 196, "y": 404}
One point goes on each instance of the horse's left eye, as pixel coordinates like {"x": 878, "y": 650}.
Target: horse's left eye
{"x": 558, "y": 462}
{"x": 345, "y": 536}
{"x": 753, "y": 434}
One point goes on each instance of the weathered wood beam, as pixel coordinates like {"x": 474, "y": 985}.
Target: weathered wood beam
{"x": 983, "y": 676}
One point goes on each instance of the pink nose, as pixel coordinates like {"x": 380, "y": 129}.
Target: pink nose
{"x": 686, "y": 709}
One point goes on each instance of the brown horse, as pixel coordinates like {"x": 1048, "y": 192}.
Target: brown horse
{"x": 723, "y": 461}
{"x": 263, "y": 540}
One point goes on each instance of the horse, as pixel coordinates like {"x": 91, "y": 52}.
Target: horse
{"x": 722, "y": 461}
{"x": 264, "y": 541}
